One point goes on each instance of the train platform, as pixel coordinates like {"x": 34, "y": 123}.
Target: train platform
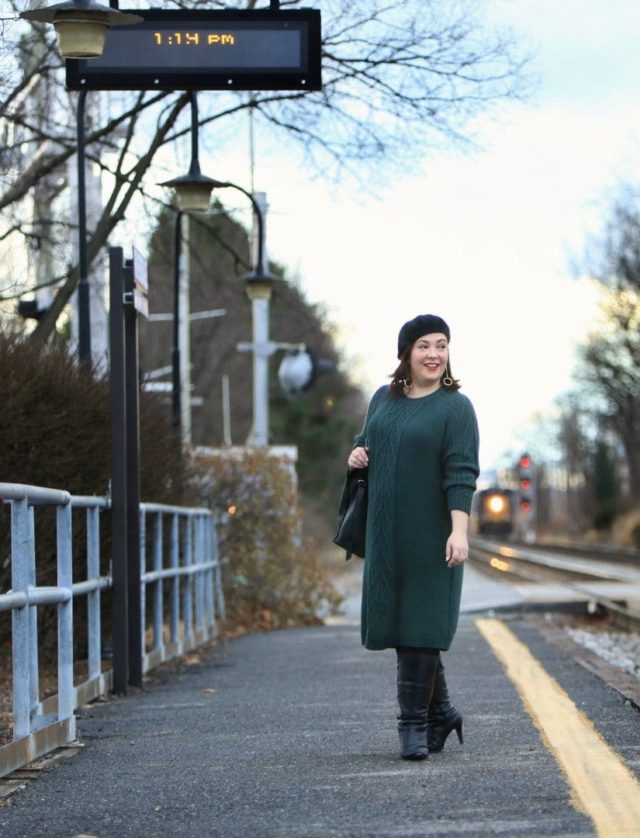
{"x": 293, "y": 733}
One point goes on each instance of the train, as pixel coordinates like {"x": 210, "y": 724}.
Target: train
{"x": 494, "y": 512}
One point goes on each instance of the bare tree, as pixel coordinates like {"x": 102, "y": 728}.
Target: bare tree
{"x": 610, "y": 358}
{"x": 399, "y": 77}
{"x": 613, "y": 258}
{"x": 574, "y": 440}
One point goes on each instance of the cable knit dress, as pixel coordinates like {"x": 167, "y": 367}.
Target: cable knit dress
{"x": 423, "y": 462}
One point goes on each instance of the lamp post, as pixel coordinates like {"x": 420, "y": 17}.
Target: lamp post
{"x": 258, "y": 286}
{"x": 84, "y": 300}
{"x": 81, "y": 26}
{"x": 193, "y": 193}
{"x": 176, "y": 401}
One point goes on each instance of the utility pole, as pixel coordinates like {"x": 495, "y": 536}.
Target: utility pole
{"x": 259, "y": 297}
{"x": 184, "y": 333}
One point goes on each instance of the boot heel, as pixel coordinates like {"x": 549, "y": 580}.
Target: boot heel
{"x": 458, "y": 730}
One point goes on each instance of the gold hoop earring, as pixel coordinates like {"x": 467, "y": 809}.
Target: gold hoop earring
{"x": 408, "y": 383}
{"x": 446, "y": 378}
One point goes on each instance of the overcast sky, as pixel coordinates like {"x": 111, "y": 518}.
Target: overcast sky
{"x": 485, "y": 239}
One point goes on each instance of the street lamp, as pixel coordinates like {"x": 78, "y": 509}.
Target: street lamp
{"x": 81, "y": 25}
{"x": 259, "y": 282}
{"x": 193, "y": 194}
{"x": 258, "y": 285}
{"x": 193, "y": 190}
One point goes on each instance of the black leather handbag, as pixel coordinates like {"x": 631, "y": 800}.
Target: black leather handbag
{"x": 352, "y": 513}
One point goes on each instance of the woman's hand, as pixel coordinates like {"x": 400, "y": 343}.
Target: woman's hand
{"x": 457, "y": 549}
{"x": 359, "y": 458}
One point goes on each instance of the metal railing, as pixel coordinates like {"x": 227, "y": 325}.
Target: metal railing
{"x": 189, "y": 533}
{"x": 185, "y": 571}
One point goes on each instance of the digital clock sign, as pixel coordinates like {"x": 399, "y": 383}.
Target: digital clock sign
{"x": 180, "y": 49}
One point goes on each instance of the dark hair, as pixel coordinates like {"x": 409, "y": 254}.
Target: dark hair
{"x": 401, "y": 376}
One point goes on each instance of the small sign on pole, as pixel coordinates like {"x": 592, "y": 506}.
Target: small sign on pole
{"x": 140, "y": 283}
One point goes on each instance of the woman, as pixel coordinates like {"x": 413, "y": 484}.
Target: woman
{"x": 420, "y": 444}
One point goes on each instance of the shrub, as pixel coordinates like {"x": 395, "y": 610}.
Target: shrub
{"x": 56, "y": 433}
{"x": 56, "y": 428}
{"x": 272, "y": 578}
{"x": 604, "y": 515}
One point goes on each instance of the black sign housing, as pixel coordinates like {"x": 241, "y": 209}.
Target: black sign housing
{"x": 186, "y": 49}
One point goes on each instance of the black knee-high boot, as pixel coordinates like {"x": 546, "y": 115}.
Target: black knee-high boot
{"x": 442, "y": 717}
{"x": 416, "y": 675}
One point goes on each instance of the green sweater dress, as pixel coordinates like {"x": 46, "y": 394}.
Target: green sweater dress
{"x": 423, "y": 462}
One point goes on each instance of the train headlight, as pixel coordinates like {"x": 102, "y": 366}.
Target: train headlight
{"x": 496, "y": 504}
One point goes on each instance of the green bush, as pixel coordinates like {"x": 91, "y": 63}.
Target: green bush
{"x": 604, "y": 515}
{"x": 272, "y": 577}
{"x": 56, "y": 428}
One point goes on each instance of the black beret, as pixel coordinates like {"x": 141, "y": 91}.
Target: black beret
{"x": 423, "y": 324}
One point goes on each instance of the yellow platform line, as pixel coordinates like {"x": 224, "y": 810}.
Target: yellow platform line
{"x": 603, "y": 787}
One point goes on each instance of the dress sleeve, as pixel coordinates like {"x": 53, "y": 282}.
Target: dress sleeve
{"x": 460, "y": 455}
{"x": 361, "y": 437}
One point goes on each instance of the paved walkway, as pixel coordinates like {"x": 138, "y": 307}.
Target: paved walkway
{"x": 293, "y": 733}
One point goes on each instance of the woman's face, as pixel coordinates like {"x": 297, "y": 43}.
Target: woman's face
{"x": 428, "y": 359}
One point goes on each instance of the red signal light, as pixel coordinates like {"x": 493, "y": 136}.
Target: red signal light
{"x": 525, "y": 461}
{"x": 525, "y": 483}
{"x": 525, "y": 505}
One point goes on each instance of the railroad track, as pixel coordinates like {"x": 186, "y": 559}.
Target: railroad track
{"x": 579, "y": 572}
{"x": 602, "y": 552}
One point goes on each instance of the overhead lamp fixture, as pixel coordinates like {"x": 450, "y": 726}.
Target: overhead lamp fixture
{"x": 258, "y": 285}
{"x": 193, "y": 190}
{"x": 81, "y": 25}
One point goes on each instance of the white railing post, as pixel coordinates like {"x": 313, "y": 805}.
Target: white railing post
{"x": 20, "y": 549}
{"x": 174, "y": 562}
{"x": 34, "y": 669}
{"x": 199, "y": 575}
{"x": 94, "y": 626}
{"x": 65, "y": 614}
{"x": 142, "y": 518}
{"x": 158, "y": 628}
{"x": 187, "y": 607}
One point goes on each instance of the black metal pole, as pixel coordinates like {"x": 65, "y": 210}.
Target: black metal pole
{"x": 175, "y": 354}
{"x": 194, "y": 168}
{"x": 259, "y": 268}
{"x": 132, "y": 385}
{"x": 120, "y": 628}
{"x": 84, "y": 315}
